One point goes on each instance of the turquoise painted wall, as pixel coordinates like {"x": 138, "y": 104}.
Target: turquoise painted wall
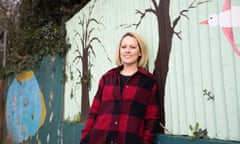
{"x": 50, "y": 77}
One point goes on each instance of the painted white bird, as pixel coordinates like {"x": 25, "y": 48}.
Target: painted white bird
{"x": 227, "y": 19}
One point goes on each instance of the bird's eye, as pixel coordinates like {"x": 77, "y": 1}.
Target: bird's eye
{"x": 211, "y": 18}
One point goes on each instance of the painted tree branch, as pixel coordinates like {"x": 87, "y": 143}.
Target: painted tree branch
{"x": 142, "y": 15}
{"x": 155, "y": 4}
{"x": 183, "y": 12}
{"x": 165, "y": 33}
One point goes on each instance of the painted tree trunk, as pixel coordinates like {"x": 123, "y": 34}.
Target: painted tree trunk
{"x": 85, "y": 86}
{"x": 164, "y": 47}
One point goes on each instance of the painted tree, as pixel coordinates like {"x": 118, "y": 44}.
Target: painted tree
{"x": 166, "y": 30}
{"x": 84, "y": 52}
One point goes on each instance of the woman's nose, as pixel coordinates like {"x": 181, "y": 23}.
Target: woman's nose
{"x": 127, "y": 49}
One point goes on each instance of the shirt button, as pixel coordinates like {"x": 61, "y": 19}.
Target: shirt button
{"x": 116, "y": 123}
{"x": 126, "y": 86}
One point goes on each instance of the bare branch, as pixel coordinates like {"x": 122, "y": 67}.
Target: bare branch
{"x": 178, "y": 34}
{"x": 76, "y": 59}
{"x": 80, "y": 73}
{"x": 82, "y": 21}
{"x": 99, "y": 41}
{"x": 142, "y": 15}
{"x": 96, "y": 21}
{"x": 175, "y": 22}
{"x": 203, "y": 1}
{"x": 79, "y": 56}
{"x": 89, "y": 47}
{"x": 90, "y": 50}
{"x": 93, "y": 20}
{"x": 208, "y": 94}
{"x": 78, "y": 51}
{"x": 76, "y": 33}
{"x": 91, "y": 8}
{"x": 155, "y": 4}
{"x": 90, "y": 32}
{"x": 166, "y": 129}
{"x": 183, "y": 12}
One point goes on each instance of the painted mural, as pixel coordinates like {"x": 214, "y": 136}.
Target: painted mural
{"x": 161, "y": 12}
{"x": 25, "y": 107}
{"x": 191, "y": 61}
{"x": 196, "y": 65}
{"x": 84, "y": 53}
{"x": 82, "y": 56}
{"x": 228, "y": 18}
{"x": 166, "y": 30}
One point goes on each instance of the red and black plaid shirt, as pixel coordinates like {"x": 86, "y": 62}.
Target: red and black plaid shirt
{"x": 127, "y": 117}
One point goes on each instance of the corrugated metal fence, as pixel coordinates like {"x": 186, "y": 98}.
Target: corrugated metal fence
{"x": 203, "y": 83}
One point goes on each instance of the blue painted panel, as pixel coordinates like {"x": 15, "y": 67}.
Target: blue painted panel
{"x": 24, "y": 109}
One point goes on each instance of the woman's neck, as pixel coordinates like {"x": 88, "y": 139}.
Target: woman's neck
{"x": 129, "y": 70}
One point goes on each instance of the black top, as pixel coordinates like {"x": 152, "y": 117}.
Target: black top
{"x": 123, "y": 80}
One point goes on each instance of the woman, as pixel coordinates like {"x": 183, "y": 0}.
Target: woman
{"x": 125, "y": 109}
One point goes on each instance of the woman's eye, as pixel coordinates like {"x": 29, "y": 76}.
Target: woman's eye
{"x": 133, "y": 47}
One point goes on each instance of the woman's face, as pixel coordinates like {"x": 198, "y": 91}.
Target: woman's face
{"x": 129, "y": 51}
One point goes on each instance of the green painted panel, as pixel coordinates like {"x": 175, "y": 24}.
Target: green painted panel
{"x": 168, "y": 139}
{"x": 50, "y": 78}
{"x": 72, "y": 135}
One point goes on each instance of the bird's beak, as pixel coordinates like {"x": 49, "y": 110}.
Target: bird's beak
{"x": 204, "y": 22}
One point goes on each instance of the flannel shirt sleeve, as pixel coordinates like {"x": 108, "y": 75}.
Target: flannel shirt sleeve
{"x": 92, "y": 114}
{"x": 152, "y": 117}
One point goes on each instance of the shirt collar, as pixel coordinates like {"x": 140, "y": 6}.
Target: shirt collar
{"x": 140, "y": 70}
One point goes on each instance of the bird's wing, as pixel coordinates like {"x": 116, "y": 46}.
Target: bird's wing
{"x": 228, "y": 32}
{"x": 226, "y": 5}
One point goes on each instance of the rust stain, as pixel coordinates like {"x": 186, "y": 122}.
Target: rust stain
{"x": 7, "y": 139}
{"x": 2, "y": 108}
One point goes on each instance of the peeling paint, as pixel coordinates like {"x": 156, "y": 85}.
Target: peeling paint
{"x": 51, "y": 117}
{"x": 48, "y": 138}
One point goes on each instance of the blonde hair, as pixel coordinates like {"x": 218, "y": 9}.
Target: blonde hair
{"x": 143, "y": 59}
